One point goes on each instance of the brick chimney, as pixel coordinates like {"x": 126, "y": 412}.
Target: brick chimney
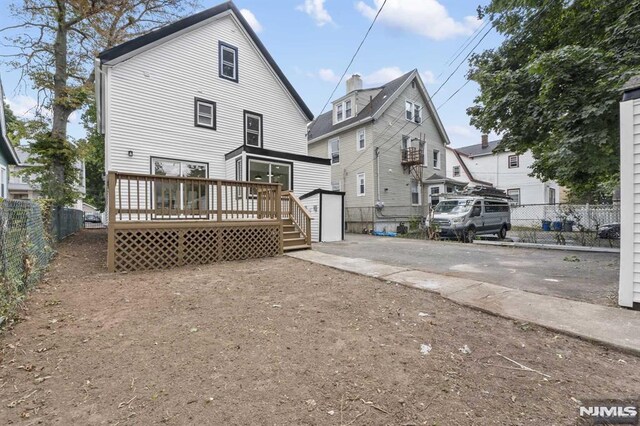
{"x": 485, "y": 141}
{"x": 354, "y": 83}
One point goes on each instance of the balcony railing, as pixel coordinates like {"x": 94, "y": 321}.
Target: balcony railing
{"x": 140, "y": 197}
{"x": 412, "y": 156}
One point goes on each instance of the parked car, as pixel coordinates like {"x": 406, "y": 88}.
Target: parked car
{"x": 92, "y": 218}
{"x": 464, "y": 217}
{"x": 610, "y": 231}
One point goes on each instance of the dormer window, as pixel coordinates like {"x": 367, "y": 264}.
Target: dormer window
{"x": 343, "y": 110}
{"x": 413, "y": 112}
{"x": 228, "y": 60}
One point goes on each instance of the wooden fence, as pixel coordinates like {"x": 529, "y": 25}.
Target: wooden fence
{"x": 159, "y": 222}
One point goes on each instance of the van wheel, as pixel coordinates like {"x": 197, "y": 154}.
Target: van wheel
{"x": 503, "y": 232}
{"x": 470, "y": 235}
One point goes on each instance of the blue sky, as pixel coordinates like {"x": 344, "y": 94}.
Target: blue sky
{"x": 313, "y": 41}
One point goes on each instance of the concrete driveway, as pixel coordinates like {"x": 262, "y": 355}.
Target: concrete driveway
{"x": 587, "y": 277}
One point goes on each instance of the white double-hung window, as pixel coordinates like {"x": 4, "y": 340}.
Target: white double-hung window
{"x": 334, "y": 151}
{"x": 228, "y": 59}
{"x": 360, "y": 185}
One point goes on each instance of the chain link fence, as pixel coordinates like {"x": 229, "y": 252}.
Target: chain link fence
{"x": 65, "y": 222}
{"x": 25, "y": 251}
{"x": 590, "y": 225}
{"x": 28, "y": 231}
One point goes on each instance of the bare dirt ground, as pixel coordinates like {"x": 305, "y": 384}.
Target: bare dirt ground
{"x": 281, "y": 341}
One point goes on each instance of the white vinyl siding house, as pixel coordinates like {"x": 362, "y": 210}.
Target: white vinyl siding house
{"x": 629, "y": 288}
{"x": 206, "y": 93}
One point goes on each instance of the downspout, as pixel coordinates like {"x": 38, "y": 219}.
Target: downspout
{"x": 377, "y": 151}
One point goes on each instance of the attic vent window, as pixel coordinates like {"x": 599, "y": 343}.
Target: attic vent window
{"x": 228, "y": 60}
{"x": 413, "y": 112}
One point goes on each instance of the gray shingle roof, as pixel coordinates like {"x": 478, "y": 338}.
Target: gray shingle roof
{"x": 323, "y": 124}
{"x": 477, "y": 149}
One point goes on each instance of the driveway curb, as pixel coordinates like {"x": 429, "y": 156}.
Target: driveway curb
{"x": 615, "y": 327}
{"x": 548, "y": 246}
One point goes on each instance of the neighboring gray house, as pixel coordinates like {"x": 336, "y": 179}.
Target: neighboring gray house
{"x": 387, "y": 149}
{"x": 21, "y": 187}
{"x": 8, "y": 155}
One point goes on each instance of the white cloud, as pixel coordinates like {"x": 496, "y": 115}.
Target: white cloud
{"x": 383, "y": 75}
{"x": 315, "y": 9}
{"x": 23, "y": 106}
{"x": 428, "y": 18}
{"x": 428, "y": 77}
{"x": 327, "y": 74}
{"x": 251, "y": 19}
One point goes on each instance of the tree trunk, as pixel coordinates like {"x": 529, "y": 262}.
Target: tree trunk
{"x": 60, "y": 111}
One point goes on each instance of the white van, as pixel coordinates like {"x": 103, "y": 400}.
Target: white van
{"x": 464, "y": 217}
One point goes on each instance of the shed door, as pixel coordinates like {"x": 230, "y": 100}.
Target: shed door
{"x": 331, "y": 217}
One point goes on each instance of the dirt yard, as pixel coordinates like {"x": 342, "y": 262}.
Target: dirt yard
{"x": 281, "y": 341}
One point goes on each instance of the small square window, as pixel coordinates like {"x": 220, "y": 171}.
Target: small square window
{"x": 228, "y": 59}
{"x": 514, "y": 161}
{"x": 335, "y": 186}
{"x": 252, "y": 129}
{"x": 205, "y": 113}
{"x": 456, "y": 171}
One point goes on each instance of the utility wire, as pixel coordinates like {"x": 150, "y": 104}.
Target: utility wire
{"x": 350, "y": 63}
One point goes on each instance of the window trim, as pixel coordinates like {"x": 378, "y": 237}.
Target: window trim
{"x": 437, "y": 160}
{"x": 455, "y": 171}
{"x": 245, "y": 113}
{"x": 549, "y": 200}
{"x": 361, "y": 176}
{"x": 419, "y": 192}
{"x": 517, "y": 165}
{"x": 410, "y": 107}
{"x": 269, "y": 161}
{"x": 221, "y": 46}
{"x": 364, "y": 139}
{"x": 519, "y": 202}
{"x": 331, "y": 152}
{"x": 196, "y": 113}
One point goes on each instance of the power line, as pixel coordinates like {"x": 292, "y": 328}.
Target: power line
{"x": 350, "y": 62}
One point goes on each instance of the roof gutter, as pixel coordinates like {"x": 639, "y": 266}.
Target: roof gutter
{"x": 341, "y": 129}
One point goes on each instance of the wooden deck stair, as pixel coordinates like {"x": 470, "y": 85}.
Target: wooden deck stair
{"x": 293, "y": 238}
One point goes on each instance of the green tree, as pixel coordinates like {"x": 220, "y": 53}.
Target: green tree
{"x": 56, "y": 42}
{"x": 554, "y": 84}
{"x": 92, "y": 151}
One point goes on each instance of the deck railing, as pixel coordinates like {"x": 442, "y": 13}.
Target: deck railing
{"x": 139, "y": 197}
{"x": 293, "y": 209}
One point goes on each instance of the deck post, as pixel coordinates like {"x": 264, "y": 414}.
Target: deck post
{"x": 279, "y": 216}
{"x": 111, "y": 232}
{"x": 219, "y": 200}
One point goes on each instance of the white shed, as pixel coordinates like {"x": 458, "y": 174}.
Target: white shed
{"x": 629, "y": 293}
{"x": 327, "y": 214}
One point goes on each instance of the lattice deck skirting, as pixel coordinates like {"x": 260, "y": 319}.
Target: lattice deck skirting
{"x": 166, "y": 244}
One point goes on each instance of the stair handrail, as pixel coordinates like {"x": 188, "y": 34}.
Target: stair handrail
{"x": 299, "y": 215}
